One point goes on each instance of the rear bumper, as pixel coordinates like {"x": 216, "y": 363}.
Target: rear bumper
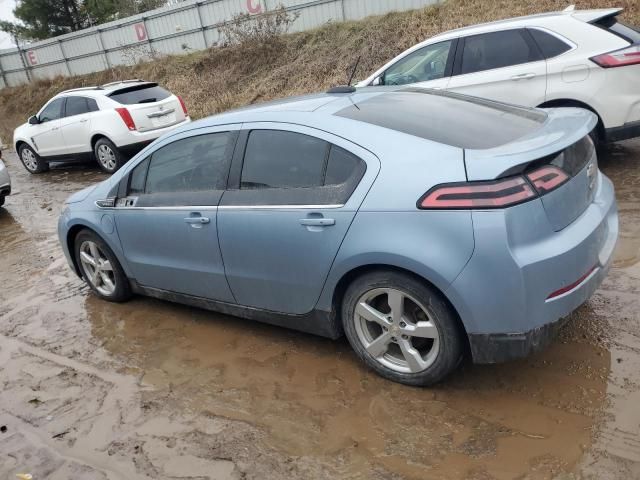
{"x": 504, "y": 294}
{"x": 132, "y": 140}
{"x": 625, "y": 132}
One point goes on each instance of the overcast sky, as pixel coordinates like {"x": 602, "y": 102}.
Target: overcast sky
{"x": 6, "y": 13}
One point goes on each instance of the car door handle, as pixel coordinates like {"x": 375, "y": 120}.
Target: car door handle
{"x": 197, "y": 220}
{"x": 317, "y": 222}
{"x": 84, "y": 120}
{"x": 523, "y": 76}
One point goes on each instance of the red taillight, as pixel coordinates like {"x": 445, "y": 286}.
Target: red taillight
{"x": 570, "y": 287}
{"x": 184, "y": 107}
{"x": 547, "y": 178}
{"x": 619, "y": 58}
{"x": 126, "y": 118}
{"x": 499, "y": 194}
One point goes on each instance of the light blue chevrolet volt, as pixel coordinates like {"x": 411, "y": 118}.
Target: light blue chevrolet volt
{"x": 422, "y": 224}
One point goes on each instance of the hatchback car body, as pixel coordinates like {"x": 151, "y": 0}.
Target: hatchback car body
{"x": 418, "y": 222}
{"x": 108, "y": 123}
{"x": 575, "y": 58}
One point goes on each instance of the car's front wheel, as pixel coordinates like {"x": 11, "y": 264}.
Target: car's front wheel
{"x": 401, "y": 328}
{"x": 31, "y": 160}
{"x": 100, "y": 267}
{"x": 108, "y": 156}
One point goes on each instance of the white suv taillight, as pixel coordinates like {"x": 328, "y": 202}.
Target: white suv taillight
{"x": 126, "y": 118}
{"x": 619, "y": 58}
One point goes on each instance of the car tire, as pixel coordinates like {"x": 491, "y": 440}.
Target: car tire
{"x": 109, "y": 158}
{"x": 2, "y": 200}
{"x": 430, "y": 337}
{"x": 108, "y": 281}
{"x": 31, "y": 160}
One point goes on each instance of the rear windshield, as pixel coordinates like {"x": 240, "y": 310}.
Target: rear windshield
{"x": 447, "y": 117}
{"x": 147, "y": 93}
{"x": 627, "y": 32}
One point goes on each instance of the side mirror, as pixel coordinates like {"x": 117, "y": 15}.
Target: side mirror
{"x": 34, "y": 120}
{"x": 377, "y": 81}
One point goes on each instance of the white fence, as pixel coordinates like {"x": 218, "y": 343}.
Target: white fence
{"x": 182, "y": 28}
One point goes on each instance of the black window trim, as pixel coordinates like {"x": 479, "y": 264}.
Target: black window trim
{"x": 572, "y": 46}
{"x": 236, "y": 197}
{"x": 448, "y": 68}
{"x": 457, "y": 67}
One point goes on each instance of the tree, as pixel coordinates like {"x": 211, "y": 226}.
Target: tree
{"x": 40, "y": 19}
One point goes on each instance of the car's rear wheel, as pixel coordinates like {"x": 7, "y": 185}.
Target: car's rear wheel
{"x": 108, "y": 156}
{"x": 401, "y": 328}
{"x": 100, "y": 267}
{"x": 31, "y": 160}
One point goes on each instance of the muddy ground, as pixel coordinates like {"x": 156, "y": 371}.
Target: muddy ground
{"x": 148, "y": 389}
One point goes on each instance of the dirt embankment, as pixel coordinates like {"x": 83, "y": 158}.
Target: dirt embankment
{"x": 221, "y": 78}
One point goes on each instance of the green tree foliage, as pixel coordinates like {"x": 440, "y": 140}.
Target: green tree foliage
{"x": 40, "y": 19}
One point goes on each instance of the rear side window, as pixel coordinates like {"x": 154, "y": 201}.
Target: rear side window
{"x": 550, "y": 45}
{"x": 147, "y": 93}
{"x": 193, "y": 164}
{"x": 497, "y": 50}
{"x": 626, "y": 32}
{"x": 76, "y": 106}
{"x": 281, "y": 159}
{"x": 342, "y": 166}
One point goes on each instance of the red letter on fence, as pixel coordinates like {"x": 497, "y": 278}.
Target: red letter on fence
{"x": 254, "y": 8}
{"x": 141, "y": 32}
{"x": 31, "y": 55}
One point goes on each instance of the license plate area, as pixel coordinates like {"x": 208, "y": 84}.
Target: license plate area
{"x": 163, "y": 120}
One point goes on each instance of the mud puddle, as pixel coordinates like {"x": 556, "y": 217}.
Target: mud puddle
{"x": 151, "y": 389}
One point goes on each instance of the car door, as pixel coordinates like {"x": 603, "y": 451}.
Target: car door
{"x": 428, "y": 67}
{"x": 76, "y": 124}
{"x": 166, "y": 214}
{"x": 46, "y": 135}
{"x": 506, "y": 66}
{"x": 293, "y": 194}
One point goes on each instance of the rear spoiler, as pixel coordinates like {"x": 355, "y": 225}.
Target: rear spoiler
{"x": 562, "y": 128}
{"x": 593, "y": 16}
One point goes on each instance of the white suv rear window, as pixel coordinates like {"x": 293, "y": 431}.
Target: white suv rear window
{"x": 146, "y": 93}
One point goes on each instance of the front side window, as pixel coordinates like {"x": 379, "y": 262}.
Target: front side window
{"x": 193, "y": 164}
{"x": 76, "y": 106}
{"x": 427, "y": 63}
{"x": 281, "y": 159}
{"x": 53, "y": 111}
{"x": 497, "y": 50}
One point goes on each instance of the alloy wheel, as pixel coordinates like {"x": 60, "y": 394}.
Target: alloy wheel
{"x": 97, "y": 268}
{"x": 107, "y": 157}
{"x": 396, "y": 330}
{"x": 29, "y": 159}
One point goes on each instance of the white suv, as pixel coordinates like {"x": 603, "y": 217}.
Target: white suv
{"x": 109, "y": 123}
{"x": 579, "y": 58}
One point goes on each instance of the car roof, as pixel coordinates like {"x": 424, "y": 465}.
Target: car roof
{"x": 444, "y": 117}
{"x": 535, "y": 19}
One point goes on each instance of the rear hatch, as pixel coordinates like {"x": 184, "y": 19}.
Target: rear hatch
{"x": 558, "y": 159}
{"x": 151, "y": 107}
